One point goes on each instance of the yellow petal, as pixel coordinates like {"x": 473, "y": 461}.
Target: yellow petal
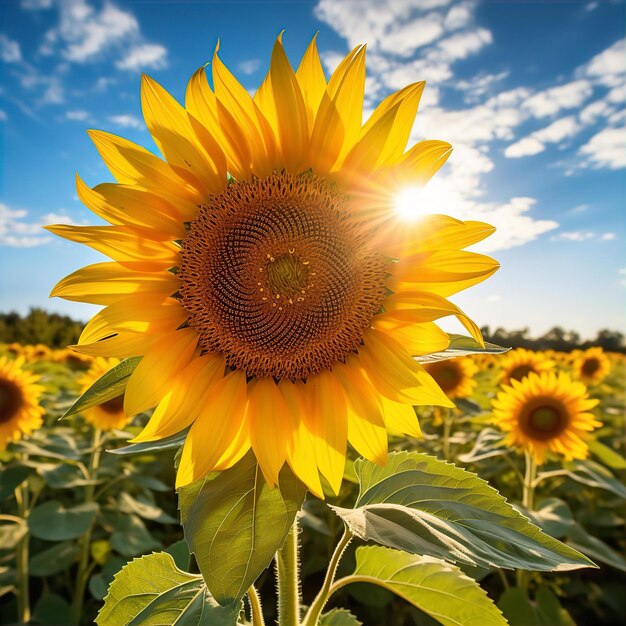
{"x": 417, "y": 339}
{"x": 123, "y": 244}
{"x": 132, "y": 164}
{"x": 271, "y": 427}
{"x": 215, "y": 430}
{"x": 422, "y": 161}
{"x": 169, "y": 125}
{"x": 300, "y": 449}
{"x": 401, "y": 418}
{"x": 326, "y": 420}
{"x": 120, "y": 346}
{"x": 421, "y": 306}
{"x": 291, "y": 112}
{"x": 327, "y": 137}
{"x": 151, "y": 379}
{"x": 123, "y": 204}
{"x": 312, "y": 81}
{"x": 366, "y": 428}
{"x": 105, "y": 283}
{"x": 148, "y": 313}
{"x": 182, "y": 403}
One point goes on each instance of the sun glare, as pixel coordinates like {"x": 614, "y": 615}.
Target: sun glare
{"x": 414, "y": 203}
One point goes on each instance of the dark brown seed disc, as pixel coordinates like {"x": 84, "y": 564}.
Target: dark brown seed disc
{"x": 276, "y": 276}
{"x": 11, "y": 400}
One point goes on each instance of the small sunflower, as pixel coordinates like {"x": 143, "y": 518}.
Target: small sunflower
{"x": 591, "y": 366}
{"x": 37, "y": 352}
{"x": 20, "y": 412}
{"x": 546, "y": 412}
{"x": 74, "y": 360}
{"x": 13, "y": 349}
{"x": 455, "y": 377}
{"x": 520, "y": 362}
{"x": 261, "y": 271}
{"x": 110, "y": 414}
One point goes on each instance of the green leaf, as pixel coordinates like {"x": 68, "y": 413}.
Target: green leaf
{"x": 488, "y": 444}
{"x": 179, "y": 551}
{"x": 438, "y": 588}
{"x": 144, "y": 509}
{"x": 11, "y": 477}
{"x": 544, "y": 611}
{"x": 595, "y": 475}
{"x": 99, "y": 583}
{"x": 54, "y": 560}
{"x": 131, "y": 537}
{"x": 234, "y": 523}
{"x": 108, "y": 386}
{"x": 175, "y": 441}
{"x": 52, "y": 610}
{"x": 53, "y": 522}
{"x": 152, "y": 590}
{"x": 339, "y": 617}
{"x": 553, "y": 516}
{"x": 595, "y": 548}
{"x": 62, "y": 476}
{"x": 460, "y": 345}
{"x": 422, "y": 505}
{"x": 10, "y": 534}
{"x": 607, "y": 455}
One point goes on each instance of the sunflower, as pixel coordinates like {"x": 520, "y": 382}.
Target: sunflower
{"x": 546, "y": 412}
{"x": 455, "y": 377}
{"x": 74, "y": 360}
{"x": 37, "y": 352}
{"x": 20, "y": 412}
{"x": 591, "y": 366}
{"x": 520, "y": 362}
{"x": 110, "y": 414}
{"x": 262, "y": 273}
{"x": 13, "y": 349}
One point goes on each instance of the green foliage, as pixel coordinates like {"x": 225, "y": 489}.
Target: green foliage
{"x": 544, "y": 611}
{"x": 53, "y": 522}
{"x": 108, "y": 386}
{"x": 339, "y": 617}
{"x": 425, "y": 506}
{"x": 39, "y": 326}
{"x": 460, "y": 345}
{"x": 152, "y": 590}
{"x": 234, "y": 523}
{"x": 439, "y": 589}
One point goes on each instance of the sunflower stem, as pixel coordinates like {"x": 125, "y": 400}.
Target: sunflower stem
{"x": 288, "y": 578}
{"x": 256, "y": 610}
{"x": 23, "y": 597}
{"x": 448, "y": 420}
{"x": 83, "y": 564}
{"x": 528, "y": 501}
{"x": 316, "y": 608}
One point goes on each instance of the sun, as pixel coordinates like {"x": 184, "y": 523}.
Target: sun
{"x": 413, "y": 203}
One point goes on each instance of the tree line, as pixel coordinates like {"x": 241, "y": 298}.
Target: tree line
{"x": 59, "y": 331}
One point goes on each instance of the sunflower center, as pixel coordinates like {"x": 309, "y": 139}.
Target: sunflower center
{"x": 520, "y": 372}
{"x": 114, "y": 405}
{"x": 590, "y": 367}
{"x": 11, "y": 400}
{"x": 544, "y": 421}
{"x": 446, "y": 375}
{"x": 276, "y": 276}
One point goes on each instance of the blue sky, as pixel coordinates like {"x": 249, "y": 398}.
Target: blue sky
{"x": 531, "y": 95}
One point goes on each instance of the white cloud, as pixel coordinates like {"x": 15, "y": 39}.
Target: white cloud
{"x": 77, "y": 116}
{"x": 608, "y": 236}
{"x": 458, "y": 16}
{"x": 250, "y": 66}
{"x": 576, "y": 235}
{"x": 127, "y": 121}
{"x": 35, "y": 5}
{"x": 555, "y": 99}
{"x": 478, "y": 86}
{"x": 9, "y": 50}
{"x": 461, "y": 45}
{"x": 405, "y": 38}
{"x": 606, "y": 148}
{"x": 609, "y": 66}
{"x": 17, "y": 231}
{"x": 144, "y": 56}
{"x": 536, "y": 142}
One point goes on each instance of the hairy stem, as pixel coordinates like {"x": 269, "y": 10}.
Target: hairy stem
{"x": 288, "y": 577}
{"x": 83, "y": 564}
{"x": 528, "y": 501}
{"x": 316, "y": 608}
{"x": 256, "y": 611}
{"x": 23, "y": 597}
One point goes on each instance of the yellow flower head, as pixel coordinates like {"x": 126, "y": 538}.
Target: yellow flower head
{"x": 37, "y": 352}
{"x": 13, "y": 349}
{"x": 262, "y": 273}
{"x": 456, "y": 377}
{"x": 73, "y": 359}
{"x": 20, "y": 394}
{"x": 546, "y": 412}
{"x": 110, "y": 414}
{"x": 520, "y": 362}
{"x": 591, "y": 366}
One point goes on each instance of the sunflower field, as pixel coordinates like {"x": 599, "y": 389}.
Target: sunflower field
{"x": 78, "y": 503}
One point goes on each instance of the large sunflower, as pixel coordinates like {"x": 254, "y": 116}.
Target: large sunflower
{"x": 456, "y": 377}
{"x": 520, "y": 362}
{"x": 591, "y": 365}
{"x": 261, "y": 272}
{"x": 546, "y": 412}
{"x": 20, "y": 412}
{"x": 110, "y": 414}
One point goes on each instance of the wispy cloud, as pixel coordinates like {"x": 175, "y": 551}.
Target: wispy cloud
{"x": 127, "y": 121}
{"x": 10, "y": 51}
{"x": 77, "y": 115}
{"x": 583, "y": 235}
{"x": 17, "y": 230}
{"x": 536, "y": 142}
{"x": 606, "y": 149}
{"x": 144, "y": 56}
{"x": 249, "y": 66}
